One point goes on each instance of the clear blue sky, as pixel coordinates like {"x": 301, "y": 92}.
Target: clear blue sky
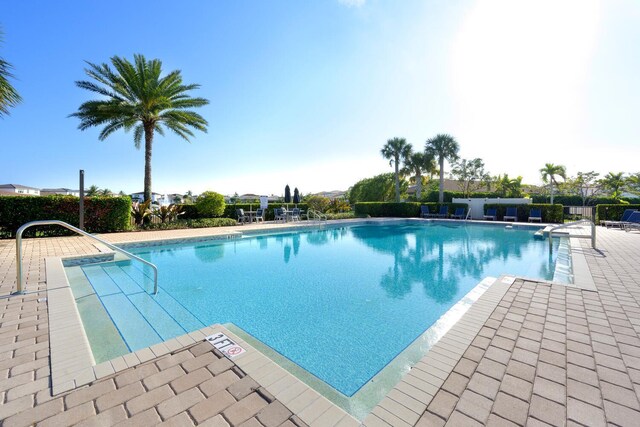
{"x": 306, "y": 93}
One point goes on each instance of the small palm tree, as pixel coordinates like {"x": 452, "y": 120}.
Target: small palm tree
{"x": 549, "y": 173}
{"x": 614, "y": 182}
{"x": 416, "y": 164}
{"x": 396, "y": 150}
{"x": 443, "y": 147}
{"x": 9, "y": 97}
{"x": 93, "y": 191}
{"x": 105, "y": 192}
{"x": 138, "y": 98}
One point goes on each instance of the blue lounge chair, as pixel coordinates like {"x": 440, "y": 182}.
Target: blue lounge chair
{"x": 460, "y": 213}
{"x": 242, "y": 218}
{"x": 633, "y": 222}
{"x": 535, "y": 214}
{"x": 280, "y": 214}
{"x": 491, "y": 213}
{"x": 260, "y": 214}
{"x": 512, "y": 214}
{"x": 425, "y": 212}
{"x": 625, "y": 217}
{"x": 295, "y": 214}
{"x": 443, "y": 212}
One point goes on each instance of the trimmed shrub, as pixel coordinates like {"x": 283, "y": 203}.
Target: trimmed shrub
{"x": 577, "y": 200}
{"x": 400, "y": 210}
{"x": 230, "y": 210}
{"x": 611, "y": 212}
{"x": 550, "y": 213}
{"x": 192, "y": 223}
{"x": 448, "y": 196}
{"x": 210, "y": 204}
{"x": 102, "y": 214}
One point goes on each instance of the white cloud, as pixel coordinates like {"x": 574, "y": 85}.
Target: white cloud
{"x": 352, "y": 3}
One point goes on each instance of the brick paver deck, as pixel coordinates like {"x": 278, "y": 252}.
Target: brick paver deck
{"x": 548, "y": 354}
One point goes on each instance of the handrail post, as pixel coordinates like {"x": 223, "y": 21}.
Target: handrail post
{"x": 19, "y": 262}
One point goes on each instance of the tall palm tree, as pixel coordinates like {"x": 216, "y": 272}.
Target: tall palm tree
{"x": 396, "y": 150}
{"x": 549, "y": 173}
{"x": 92, "y": 191}
{"x": 443, "y": 147}
{"x": 139, "y": 98}
{"x": 416, "y": 164}
{"x": 9, "y": 97}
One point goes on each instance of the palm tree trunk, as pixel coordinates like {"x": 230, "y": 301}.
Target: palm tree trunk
{"x": 397, "y": 181}
{"x": 418, "y": 187}
{"x": 148, "y": 145}
{"x": 441, "y": 195}
{"x": 551, "y": 191}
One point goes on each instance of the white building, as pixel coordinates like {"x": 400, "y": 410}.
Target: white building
{"x": 61, "y": 191}
{"x": 156, "y": 198}
{"x": 19, "y": 189}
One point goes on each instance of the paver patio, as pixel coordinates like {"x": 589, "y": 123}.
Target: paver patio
{"x": 548, "y": 354}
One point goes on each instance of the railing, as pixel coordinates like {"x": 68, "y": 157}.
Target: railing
{"x": 581, "y": 236}
{"x": 318, "y": 216}
{"x": 19, "y": 286}
{"x": 468, "y": 215}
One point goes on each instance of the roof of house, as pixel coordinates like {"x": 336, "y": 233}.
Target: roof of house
{"x": 18, "y": 187}
{"x": 59, "y": 190}
{"x": 13, "y": 193}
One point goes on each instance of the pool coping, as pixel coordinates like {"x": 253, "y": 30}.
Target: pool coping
{"x": 72, "y": 363}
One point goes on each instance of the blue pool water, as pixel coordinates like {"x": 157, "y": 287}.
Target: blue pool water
{"x": 339, "y": 302}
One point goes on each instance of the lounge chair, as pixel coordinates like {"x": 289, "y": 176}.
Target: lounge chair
{"x": 443, "y": 212}
{"x": 280, "y": 214}
{"x": 512, "y": 214}
{"x": 535, "y": 214}
{"x": 425, "y": 212}
{"x": 491, "y": 213}
{"x": 633, "y": 222}
{"x": 460, "y": 213}
{"x": 242, "y": 218}
{"x": 625, "y": 217}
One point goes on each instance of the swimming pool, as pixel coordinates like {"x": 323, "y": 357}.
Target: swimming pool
{"x": 339, "y": 302}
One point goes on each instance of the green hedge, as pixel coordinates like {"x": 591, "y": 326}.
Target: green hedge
{"x": 190, "y": 211}
{"x": 448, "y": 196}
{"x": 577, "y": 200}
{"x": 400, "y": 210}
{"x": 550, "y": 213}
{"x": 192, "y": 223}
{"x": 102, "y": 214}
{"x": 612, "y": 212}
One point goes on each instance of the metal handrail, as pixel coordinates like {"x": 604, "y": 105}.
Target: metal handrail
{"x": 77, "y": 230}
{"x": 570, "y": 224}
{"x": 318, "y": 216}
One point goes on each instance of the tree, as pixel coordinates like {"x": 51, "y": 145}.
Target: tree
{"x": 380, "y": 188}
{"x": 92, "y": 191}
{"x": 585, "y": 185}
{"x": 614, "y": 183}
{"x": 138, "y": 98}
{"x": 105, "y": 192}
{"x": 470, "y": 174}
{"x": 633, "y": 183}
{"x": 416, "y": 164}
{"x": 210, "y": 204}
{"x": 396, "y": 150}
{"x": 549, "y": 173}
{"x": 443, "y": 147}
{"x": 508, "y": 187}
{"x": 9, "y": 97}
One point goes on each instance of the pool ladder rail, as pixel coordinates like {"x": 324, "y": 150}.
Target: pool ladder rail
{"x": 591, "y": 235}
{"x": 19, "y": 282}
{"x": 317, "y": 216}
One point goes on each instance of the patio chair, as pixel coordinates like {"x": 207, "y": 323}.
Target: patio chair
{"x": 260, "y": 214}
{"x": 242, "y": 218}
{"x": 460, "y": 213}
{"x": 443, "y": 212}
{"x": 535, "y": 214}
{"x": 512, "y": 214}
{"x": 625, "y": 217}
{"x": 633, "y": 222}
{"x": 280, "y": 214}
{"x": 491, "y": 213}
{"x": 425, "y": 212}
{"x": 295, "y": 214}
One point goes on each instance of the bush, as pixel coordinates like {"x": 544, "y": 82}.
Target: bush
{"x": 399, "y": 210}
{"x": 341, "y": 215}
{"x": 192, "y": 223}
{"x": 380, "y": 188}
{"x": 102, "y": 214}
{"x": 612, "y": 212}
{"x": 448, "y": 196}
{"x": 189, "y": 212}
{"x": 319, "y": 203}
{"x": 210, "y": 204}
{"x": 550, "y": 213}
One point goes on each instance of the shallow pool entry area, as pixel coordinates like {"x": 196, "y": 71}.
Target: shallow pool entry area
{"x": 341, "y": 303}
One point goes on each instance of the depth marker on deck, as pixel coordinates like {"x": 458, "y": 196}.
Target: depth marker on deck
{"x": 226, "y": 345}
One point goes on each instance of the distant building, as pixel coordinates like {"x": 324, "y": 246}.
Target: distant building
{"x": 156, "y": 198}
{"x": 61, "y": 191}
{"x": 19, "y": 189}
